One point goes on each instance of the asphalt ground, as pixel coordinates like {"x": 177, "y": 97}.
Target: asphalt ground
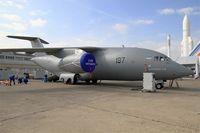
{"x": 109, "y": 107}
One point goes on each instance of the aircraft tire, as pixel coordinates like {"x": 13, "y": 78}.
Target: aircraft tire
{"x": 94, "y": 81}
{"x": 50, "y": 79}
{"x": 63, "y": 80}
{"x": 76, "y": 76}
{"x": 55, "y": 78}
{"x": 87, "y": 81}
{"x": 159, "y": 86}
{"x": 69, "y": 81}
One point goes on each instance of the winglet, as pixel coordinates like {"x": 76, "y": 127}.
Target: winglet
{"x": 35, "y": 41}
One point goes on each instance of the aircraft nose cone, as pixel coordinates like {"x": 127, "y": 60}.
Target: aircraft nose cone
{"x": 37, "y": 60}
{"x": 32, "y": 59}
{"x": 184, "y": 71}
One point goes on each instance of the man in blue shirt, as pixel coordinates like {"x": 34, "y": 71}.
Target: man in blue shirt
{"x": 12, "y": 79}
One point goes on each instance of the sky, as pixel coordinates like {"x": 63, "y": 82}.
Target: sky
{"x": 101, "y": 23}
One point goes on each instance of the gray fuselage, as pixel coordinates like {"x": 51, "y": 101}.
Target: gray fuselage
{"x": 117, "y": 64}
{"x": 130, "y": 63}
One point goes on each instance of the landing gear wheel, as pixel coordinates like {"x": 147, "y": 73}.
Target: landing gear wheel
{"x": 69, "y": 81}
{"x": 159, "y": 86}
{"x": 63, "y": 80}
{"x": 76, "y": 77}
{"x": 55, "y": 78}
{"x": 87, "y": 81}
{"x": 94, "y": 81}
{"x": 50, "y": 79}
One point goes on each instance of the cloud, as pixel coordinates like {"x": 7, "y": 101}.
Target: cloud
{"x": 37, "y": 13}
{"x": 38, "y": 22}
{"x": 185, "y": 10}
{"x": 16, "y": 23}
{"x": 142, "y": 22}
{"x": 119, "y": 27}
{"x": 13, "y": 22}
{"x": 122, "y": 28}
{"x": 19, "y": 27}
{"x": 12, "y": 43}
{"x": 11, "y": 17}
{"x": 19, "y": 4}
{"x": 77, "y": 41}
{"x": 162, "y": 49}
{"x": 166, "y": 11}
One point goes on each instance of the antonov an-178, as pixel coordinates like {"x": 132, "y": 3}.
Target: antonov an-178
{"x": 72, "y": 64}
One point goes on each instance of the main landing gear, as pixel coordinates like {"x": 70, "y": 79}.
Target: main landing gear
{"x": 94, "y": 81}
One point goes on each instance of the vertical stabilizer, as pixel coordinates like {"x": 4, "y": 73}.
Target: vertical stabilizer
{"x": 196, "y": 50}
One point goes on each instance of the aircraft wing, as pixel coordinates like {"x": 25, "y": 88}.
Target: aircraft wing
{"x": 48, "y": 50}
{"x": 31, "y": 50}
{"x": 37, "y": 46}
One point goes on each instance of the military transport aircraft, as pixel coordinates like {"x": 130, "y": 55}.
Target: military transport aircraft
{"x": 96, "y": 63}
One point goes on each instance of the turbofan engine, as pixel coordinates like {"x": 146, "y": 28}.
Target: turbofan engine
{"x": 78, "y": 63}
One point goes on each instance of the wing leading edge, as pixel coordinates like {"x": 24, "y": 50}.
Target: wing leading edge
{"x": 49, "y": 50}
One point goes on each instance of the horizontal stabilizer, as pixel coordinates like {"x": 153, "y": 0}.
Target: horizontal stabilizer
{"x": 28, "y": 38}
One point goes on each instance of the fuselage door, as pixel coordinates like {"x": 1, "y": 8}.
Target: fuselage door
{"x": 148, "y": 64}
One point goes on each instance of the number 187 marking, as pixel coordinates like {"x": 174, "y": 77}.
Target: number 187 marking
{"x": 120, "y": 60}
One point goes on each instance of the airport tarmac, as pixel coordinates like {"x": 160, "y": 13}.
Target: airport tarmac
{"x": 109, "y": 107}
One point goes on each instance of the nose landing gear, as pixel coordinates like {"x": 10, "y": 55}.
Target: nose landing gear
{"x": 94, "y": 81}
{"x": 159, "y": 84}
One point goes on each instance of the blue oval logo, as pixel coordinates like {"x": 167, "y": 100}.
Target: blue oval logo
{"x": 88, "y": 62}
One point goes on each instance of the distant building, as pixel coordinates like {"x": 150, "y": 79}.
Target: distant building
{"x": 19, "y": 64}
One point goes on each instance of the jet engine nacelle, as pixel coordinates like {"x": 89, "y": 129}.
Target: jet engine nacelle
{"x": 78, "y": 63}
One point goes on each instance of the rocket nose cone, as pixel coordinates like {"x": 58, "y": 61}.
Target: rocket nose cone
{"x": 185, "y": 19}
{"x": 186, "y": 25}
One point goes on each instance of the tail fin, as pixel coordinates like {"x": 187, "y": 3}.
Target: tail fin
{"x": 196, "y": 50}
{"x": 36, "y": 42}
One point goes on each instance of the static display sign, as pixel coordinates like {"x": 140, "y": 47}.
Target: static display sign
{"x": 88, "y": 62}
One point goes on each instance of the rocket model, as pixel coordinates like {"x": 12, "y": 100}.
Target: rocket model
{"x": 187, "y": 43}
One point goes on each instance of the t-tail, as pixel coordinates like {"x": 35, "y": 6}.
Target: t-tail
{"x": 36, "y": 42}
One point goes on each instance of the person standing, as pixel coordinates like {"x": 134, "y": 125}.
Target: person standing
{"x": 12, "y": 79}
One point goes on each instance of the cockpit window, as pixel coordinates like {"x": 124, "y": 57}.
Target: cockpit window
{"x": 156, "y": 58}
{"x": 166, "y": 59}
{"x": 161, "y": 58}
